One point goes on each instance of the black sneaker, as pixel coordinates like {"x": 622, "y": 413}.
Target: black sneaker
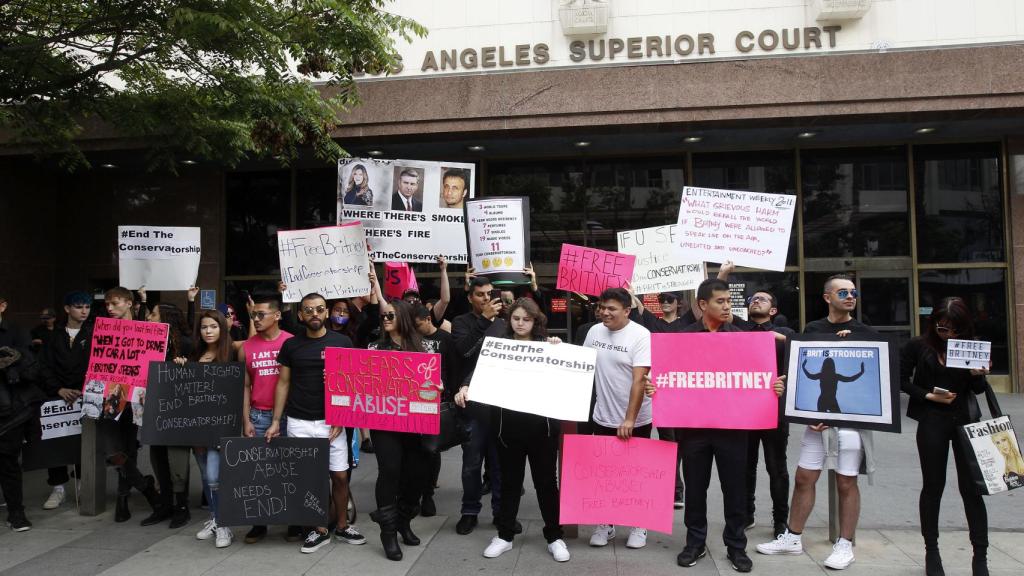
{"x": 350, "y": 536}
{"x": 294, "y": 534}
{"x": 689, "y": 556}
{"x": 18, "y": 522}
{"x": 739, "y": 559}
{"x": 466, "y": 524}
{"x": 255, "y": 534}
{"x": 749, "y": 523}
{"x": 315, "y": 540}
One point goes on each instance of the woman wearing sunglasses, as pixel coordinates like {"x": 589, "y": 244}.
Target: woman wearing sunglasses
{"x": 942, "y": 399}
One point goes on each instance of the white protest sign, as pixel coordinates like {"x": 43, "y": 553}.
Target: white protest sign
{"x": 158, "y": 257}
{"x": 750, "y": 228}
{"x": 330, "y": 261}
{"x": 553, "y": 380}
{"x": 412, "y": 210}
{"x": 738, "y": 300}
{"x": 658, "y": 268}
{"x": 497, "y": 241}
{"x": 58, "y": 419}
{"x": 968, "y": 353}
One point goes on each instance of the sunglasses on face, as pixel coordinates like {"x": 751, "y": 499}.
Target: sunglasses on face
{"x": 388, "y": 316}
{"x": 944, "y": 330}
{"x": 843, "y": 293}
{"x": 666, "y": 299}
{"x": 310, "y": 309}
{"x": 262, "y": 315}
{"x": 753, "y": 299}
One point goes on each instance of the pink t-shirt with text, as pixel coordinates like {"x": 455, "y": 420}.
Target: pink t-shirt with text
{"x": 261, "y": 364}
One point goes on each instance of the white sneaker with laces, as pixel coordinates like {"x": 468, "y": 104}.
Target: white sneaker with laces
{"x": 224, "y": 537}
{"x": 559, "y": 551}
{"x": 497, "y": 547}
{"x": 786, "y": 543}
{"x": 841, "y": 556}
{"x": 637, "y": 538}
{"x": 55, "y": 499}
{"x": 208, "y": 531}
{"x": 602, "y": 534}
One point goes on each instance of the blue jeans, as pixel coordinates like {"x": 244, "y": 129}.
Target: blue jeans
{"x": 480, "y": 445}
{"x": 262, "y": 419}
{"x": 209, "y": 466}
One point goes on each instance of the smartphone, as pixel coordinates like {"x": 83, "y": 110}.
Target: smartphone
{"x": 937, "y": 390}
{"x": 495, "y": 294}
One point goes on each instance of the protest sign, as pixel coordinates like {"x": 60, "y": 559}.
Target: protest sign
{"x": 553, "y": 380}
{"x": 277, "y": 483}
{"x": 498, "y": 233}
{"x": 608, "y": 481}
{"x": 61, "y": 441}
{"x": 330, "y": 261}
{"x": 119, "y": 366}
{"x": 399, "y": 277}
{"x": 412, "y": 210}
{"x": 158, "y": 257}
{"x": 194, "y": 404}
{"x": 591, "y": 271}
{"x": 750, "y": 228}
{"x": 738, "y": 299}
{"x": 658, "y": 268}
{"x": 724, "y": 380}
{"x": 383, "y": 390}
{"x": 968, "y": 354}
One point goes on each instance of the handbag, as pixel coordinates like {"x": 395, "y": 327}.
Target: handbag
{"x": 992, "y": 451}
{"x": 453, "y": 430}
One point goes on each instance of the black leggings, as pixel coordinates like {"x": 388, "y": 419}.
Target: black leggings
{"x": 935, "y": 431}
{"x": 542, "y": 452}
{"x": 403, "y": 466}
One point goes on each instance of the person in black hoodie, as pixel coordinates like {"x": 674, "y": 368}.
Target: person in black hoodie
{"x": 941, "y": 400}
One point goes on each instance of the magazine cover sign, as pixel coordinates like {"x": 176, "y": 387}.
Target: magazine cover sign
{"x": 412, "y": 210}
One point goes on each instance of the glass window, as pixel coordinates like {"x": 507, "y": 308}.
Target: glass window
{"x": 984, "y": 291}
{"x": 855, "y": 202}
{"x": 258, "y": 205}
{"x": 316, "y": 194}
{"x": 884, "y": 301}
{"x": 959, "y": 203}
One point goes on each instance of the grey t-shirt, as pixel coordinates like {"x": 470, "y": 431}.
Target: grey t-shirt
{"x": 617, "y": 353}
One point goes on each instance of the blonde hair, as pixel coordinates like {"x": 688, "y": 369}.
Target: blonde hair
{"x": 1014, "y": 463}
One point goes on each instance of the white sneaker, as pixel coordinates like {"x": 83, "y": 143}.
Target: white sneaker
{"x": 841, "y": 556}
{"x": 602, "y": 534}
{"x": 224, "y": 537}
{"x": 786, "y": 543}
{"x": 208, "y": 531}
{"x": 497, "y": 547}
{"x": 559, "y": 551}
{"x": 637, "y": 538}
{"x": 55, "y": 499}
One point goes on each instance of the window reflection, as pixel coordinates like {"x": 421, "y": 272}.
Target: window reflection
{"x": 984, "y": 291}
{"x": 316, "y": 197}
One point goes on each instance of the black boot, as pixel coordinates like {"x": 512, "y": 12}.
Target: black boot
{"x": 387, "y": 517}
{"x": 933, "y": 563}
{"x": 161, "y": 508}
{"x": 121, "y": 512}
{"x": 149, "y": 491}
{"x": 979, "y": 564}
{"x": 180, "y": 515}
{"x": 408, "y": 537}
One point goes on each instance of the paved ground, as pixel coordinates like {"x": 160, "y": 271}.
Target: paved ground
{"x": 63, "y": 542}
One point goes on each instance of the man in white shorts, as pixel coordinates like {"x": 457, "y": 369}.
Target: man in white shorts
{"x": 847, "y": 451}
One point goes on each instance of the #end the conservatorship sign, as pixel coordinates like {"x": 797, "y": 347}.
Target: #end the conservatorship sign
{"x": 158, "y": 257}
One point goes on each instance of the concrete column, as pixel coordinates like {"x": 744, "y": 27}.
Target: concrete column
{"x": 93, "y": 471}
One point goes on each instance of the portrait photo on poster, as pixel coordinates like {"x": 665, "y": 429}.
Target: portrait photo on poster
{"x": 408, "y": 189}
{"x": 454, "y": 187}
{"x": 845, "y": 382}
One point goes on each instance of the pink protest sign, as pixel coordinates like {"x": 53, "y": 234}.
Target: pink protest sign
{"x": 119, "y": 365}
{"x": 398, "y": 277}
{"x": 383, "y": 390}
{"x": 722, "y": 380}
{"x": 590, "y": 271}
{"x": 608, "y": 481}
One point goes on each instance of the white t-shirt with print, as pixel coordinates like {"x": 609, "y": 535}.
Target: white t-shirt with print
{"x": 617, "y": 353}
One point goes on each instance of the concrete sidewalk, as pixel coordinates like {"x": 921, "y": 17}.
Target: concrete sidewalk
{"x": 888, "y": 542}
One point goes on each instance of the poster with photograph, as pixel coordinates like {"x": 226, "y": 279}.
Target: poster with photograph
{"x": 119, "y": 364}
{"x": 412, "y": 210}
{"x": 996, "y": 455}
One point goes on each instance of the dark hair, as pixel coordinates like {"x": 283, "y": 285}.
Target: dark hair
{"x": 540, "y": 321}
{"x": 419, "y": 312}
{"x": 223, "y": 343}
{"x": 175, "y": 319}
{"x": 312, "y": 296}
{"x": 409, "y": 172}
{"x": 77, "y": 298}
{"x": 771, "y": 297}
{"x": 952, "y": 311}
{"x": 119, "y": 292}
{"x": 411, "y": 341}
{"x": 709, "y": 286}
{"x": 271, "y": 301}
{"x": 828, "y": 281}
{"x": 478, "y": 282}
{"x": 617, "y": 294}
{"x": 456, "y": 173}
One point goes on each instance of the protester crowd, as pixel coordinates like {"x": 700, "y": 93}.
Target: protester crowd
{"x": 283, "y": 351}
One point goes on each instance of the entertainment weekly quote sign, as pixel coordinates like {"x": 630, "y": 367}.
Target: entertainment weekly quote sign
{"x": 377, "y": 193}
{"x": 383, "y": 390}
{"x": 158, "y": 257}
{"x": 591, "y": 270}
{"x": 968, "y": 354}
{"x": 608, "y": 481}
{"x": 61, "y": 441}
{"x": 724, "y": 380}
{"x": 330, "y": 261}
{"x": 750, "y": 228}
{"x": 497, "y": 239}
{"x": 119, "y": 366}
{"x": 194, "y": 404}
{"x": 658, "y": 268}
{"x": 553, "y": 380}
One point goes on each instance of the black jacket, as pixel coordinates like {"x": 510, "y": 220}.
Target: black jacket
{"x": 64, "y": 362}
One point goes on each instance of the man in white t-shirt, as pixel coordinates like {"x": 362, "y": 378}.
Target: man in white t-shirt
{"x": 623, "y": 360}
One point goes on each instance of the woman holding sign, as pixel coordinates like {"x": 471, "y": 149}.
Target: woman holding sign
{"x": 941, "y": 400}
{"x": 523, "y": 437}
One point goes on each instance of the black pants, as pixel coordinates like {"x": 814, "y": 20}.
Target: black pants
{"x": 669, "y": 434}
{"x": 775, "y": 442}
{"x": 122, "y": 448}
{"x": 58, "y": 476}
{"x": 728, "y": 450}
{"x": 434, "y": 459}
{"x": 542, "y": 452}
{"x": 935, "y": 431}
{"x": 638, "y": 431}
{"x": 403, "y": 466}
{"x": 10, "y": 469}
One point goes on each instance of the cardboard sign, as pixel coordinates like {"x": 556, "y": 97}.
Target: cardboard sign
{"x": 658, "y": 268}
{"x": 968, "y": 354}
{"x": 553, "y": 380}
{"x": 750, "y": 228}
{"x": 283, "y": 482}
{"x": 399, "y": 277}
{"x": 724, "y": 380}
{"x": 497, "y": 238}
{"x": 158, "y": 257}
{"x": 119, "y": 366}
{"x": 330, "y": 261}
{"x": 61, "y": 442}
{"x": 412, "y": 210}
{"x": 383, "y": 390}
{"x": 590, "y": 270}
{"x": 193, "y": 405}
{"x": 608, "y": 481}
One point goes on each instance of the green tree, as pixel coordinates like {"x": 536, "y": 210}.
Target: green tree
{"x": 217, "y": 79}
